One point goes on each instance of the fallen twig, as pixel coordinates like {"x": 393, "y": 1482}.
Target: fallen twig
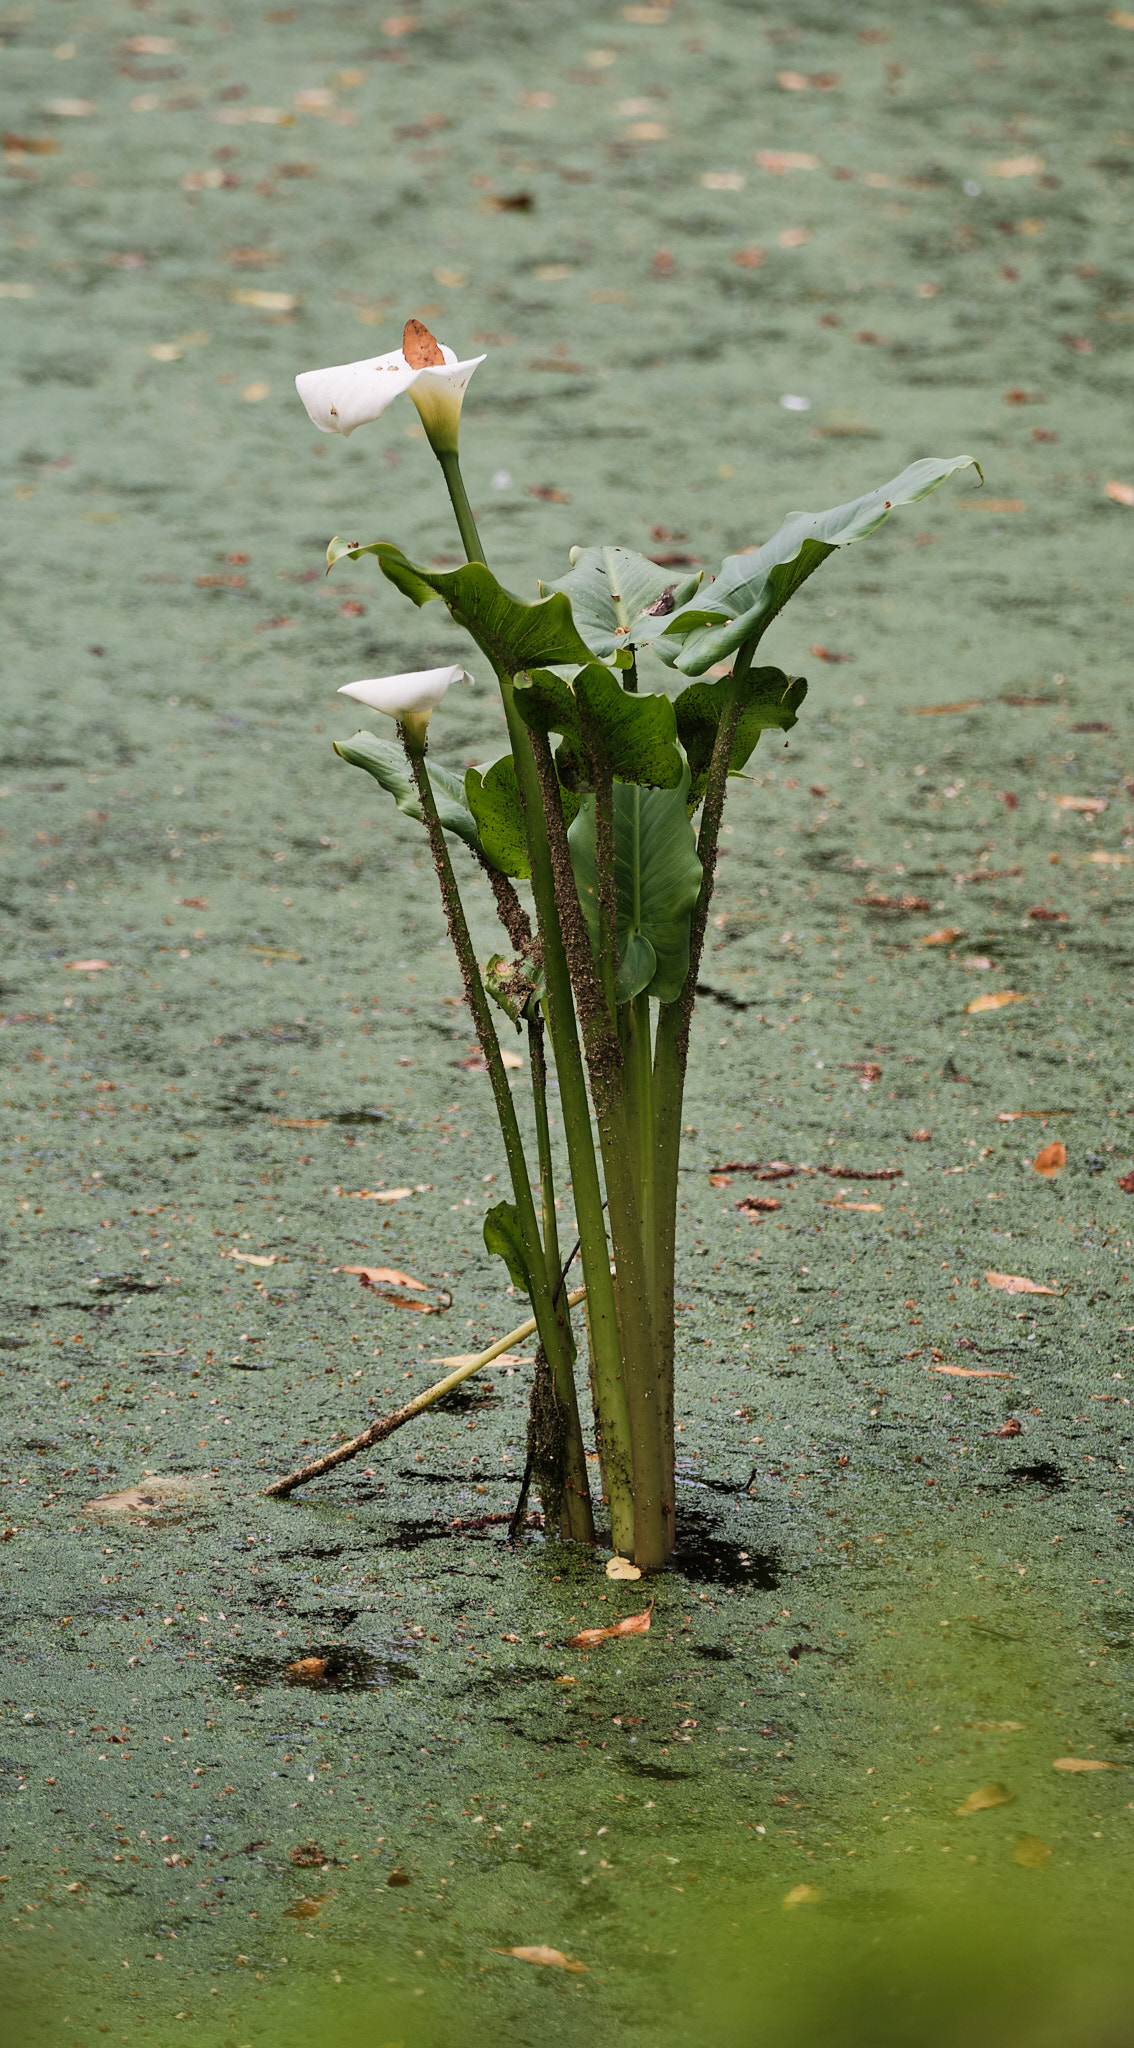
{"x": 385, "y": 1425}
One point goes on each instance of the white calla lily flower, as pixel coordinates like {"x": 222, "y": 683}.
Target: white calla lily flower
{"x": 411, "y": 699}
{"x": 345, "y": 397}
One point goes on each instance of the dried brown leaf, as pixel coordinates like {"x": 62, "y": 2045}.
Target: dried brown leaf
{"x": 630, "y": 1625}
{"x": 943, "y": 936}
{"x": 1015, "y": 1283}
{"x": 1081, "y": 1763}
{"x": 420, "y": 348}
{"x": 383, "y": 1276}
{"x": 972, "y": 1372}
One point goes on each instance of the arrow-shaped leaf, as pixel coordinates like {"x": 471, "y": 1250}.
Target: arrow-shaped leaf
{"x": 752, "y": 587}
{"x": 657, "y": 877}
{"x": 639, "y": 732}
{"x": 504, "y": 1238}
{"x": 387, "y": 764}
{"x": 770, "y": 701}
{"x": 514, "y": 635}
{"x": 613, "y": 592}
{"x": 493, "y": 796}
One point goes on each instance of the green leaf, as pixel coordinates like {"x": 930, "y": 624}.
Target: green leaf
{"x": 753, "y": 587}
{"x": 504, "y": 1239}
{"x": 639, "y": 732}
{"x": 657, "y": 876}
{"x": 612, "y": 591}
{"x": 493, "y": 796}
{"x": 514, "y": 635}
{"x": 387, "y": 764}
{"x": 770, "y": 701}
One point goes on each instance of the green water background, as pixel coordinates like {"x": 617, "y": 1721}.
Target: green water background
{"x": 948, "y": 268}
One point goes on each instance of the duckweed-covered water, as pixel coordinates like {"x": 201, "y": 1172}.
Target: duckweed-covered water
{"x": 744, "y": 1825}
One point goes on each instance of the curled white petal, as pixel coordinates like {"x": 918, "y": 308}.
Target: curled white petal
{"x": 347, "y": 395}
{"x": 414, "y": 695}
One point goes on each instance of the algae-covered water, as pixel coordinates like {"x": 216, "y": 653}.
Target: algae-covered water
{"x": 758, "y": 1818}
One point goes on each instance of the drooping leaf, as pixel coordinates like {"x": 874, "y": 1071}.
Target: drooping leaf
{"x": 386, "y": 762}
{"x": 638, "y": 731}
{"x": 770, "y": 701}
{"x": 752, "y": 587}
{"x": 612, "y": 591}
{"x": 514, "y": 635}
{"x": 504, "y": 1239}
{"x": 515, "y": 986}
{"x": 493, "y": 797}
{"x": 657, "y": 876}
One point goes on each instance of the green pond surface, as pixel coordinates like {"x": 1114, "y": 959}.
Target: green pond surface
{"x": 756, "y": 1821}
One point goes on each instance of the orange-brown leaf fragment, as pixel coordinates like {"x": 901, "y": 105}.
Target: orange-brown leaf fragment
{"x": 420, "y": 348}
{"x": 943, "y": 936}
{"x": 1050, "y": 1160}
{"x": 303, "y": 1909}
{"x": 308, "y": 1856}
{"x": 630, "y": 1625}
{"x": 547, "y": 1958}
{"x": 383, "y": 1276}
{"x": 984, "y": 1797}
{"x": 305, "y": 1670}
{"x": 1015, "y": 1283}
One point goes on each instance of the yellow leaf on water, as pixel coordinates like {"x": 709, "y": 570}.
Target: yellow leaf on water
{"x": 369, "y": 1194}
{"x": 459, "y": 1358}
{"x": 87, "y": 966}
{"x": 778, "y": 161}
{"x": 630, "y": 1625}
{"x": 801, "y": 1895}
{"x": 940, "y": 710}
{"x": 944, "y": 936}
{"x": 621, "y": 1568}
{"x": 1081, "y": 1763}
{"x": 253, "y": 393}
{"x": 1091, "y": 804}
{"x": 1031, "y": 1853}
{"x": 1015, "y": 167}
{"x": 264, "y": 302}
{"x": 1120, "y": 17}
{"x": 1015, "y": 1283}
{"x": 994, "y": 1002}
{"x": 250, "y": 1258}
{"x": 984, "y": 1797}
{"x": 547, "y": 1958}
{"x": 854, "y": 1205}
{"x": 1050, "y": 1160}
{"x": 1123, "y": 494}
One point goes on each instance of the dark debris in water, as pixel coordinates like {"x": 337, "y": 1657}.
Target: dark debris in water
{"x": 322, "y": 1667}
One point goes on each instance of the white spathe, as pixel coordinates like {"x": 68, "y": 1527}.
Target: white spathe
{"x": 345, "y": 397}
{"x": 411, "y": 699}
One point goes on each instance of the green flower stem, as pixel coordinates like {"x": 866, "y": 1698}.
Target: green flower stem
{"x": 455, "y": 484}
{"x": 551, "y": 1313}
{"x": 542, "y": 809}
{"x": 538, "y": 1066}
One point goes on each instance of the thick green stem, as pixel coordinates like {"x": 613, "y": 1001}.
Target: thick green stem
{"x": 551, "y": 1314}
{"x": 552, "y": 877}
{"x": 671, "y": 1048}
{"x": 538, "y": 1065}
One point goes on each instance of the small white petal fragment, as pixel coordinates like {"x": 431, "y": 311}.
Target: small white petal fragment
{"x": 792, "y": 402}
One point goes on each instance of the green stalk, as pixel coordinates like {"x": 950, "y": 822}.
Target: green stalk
{"x": 612, "y": 1416}
{"x": 455, "y": 485}
{"x": 551, "y": 1313}
{"x": 671, "y": 1048}
{"x": 538, "y": 1065}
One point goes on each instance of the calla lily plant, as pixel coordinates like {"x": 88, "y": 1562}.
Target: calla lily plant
{"x": 598, "y": 835}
